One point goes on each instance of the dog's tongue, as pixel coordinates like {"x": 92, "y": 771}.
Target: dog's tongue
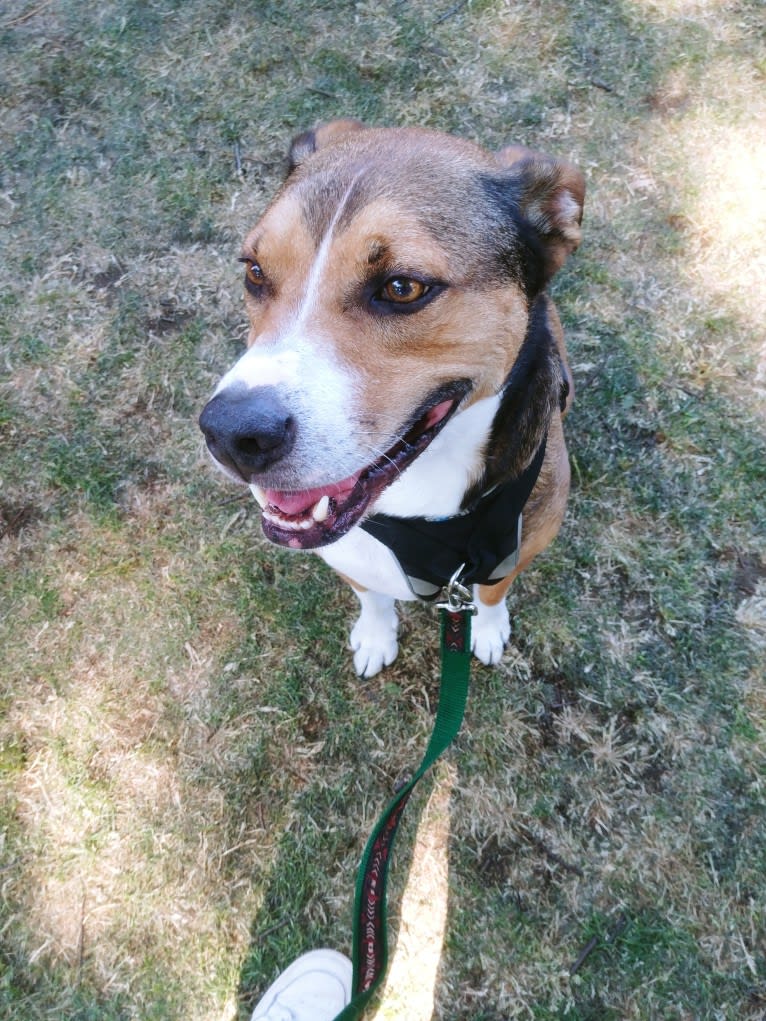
{"x": 294, "y": 504}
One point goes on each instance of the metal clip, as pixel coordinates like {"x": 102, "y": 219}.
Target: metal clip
{"x": 458, "y": 596}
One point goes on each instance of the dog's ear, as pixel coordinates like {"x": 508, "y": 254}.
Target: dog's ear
{"x": 309, "y": 142}
{"x": 550, "y": 195}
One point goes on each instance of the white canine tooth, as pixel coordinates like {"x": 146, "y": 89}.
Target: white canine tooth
{"x": 321, "y": 509}
{"x": 259, "y": 494}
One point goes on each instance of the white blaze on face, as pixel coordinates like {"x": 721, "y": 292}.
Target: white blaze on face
{"x": 321, "y": 394}
{"x": 263, "y": 366}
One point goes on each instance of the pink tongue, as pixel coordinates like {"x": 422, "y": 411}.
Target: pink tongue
{"x": 294, "y": 504}
{"x": 437, "y": 414}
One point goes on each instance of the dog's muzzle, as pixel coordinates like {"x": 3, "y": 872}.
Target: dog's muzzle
{"x": 248, "y": 429}
{"x": 251, "y": 433}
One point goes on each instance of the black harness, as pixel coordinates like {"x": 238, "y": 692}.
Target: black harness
{"x": 485, "y": 541}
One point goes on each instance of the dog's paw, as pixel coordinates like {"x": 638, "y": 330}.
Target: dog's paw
{"x": 372, "y": 650}
{"x": 490, "y": 630}
{"x": 373, "y": 637}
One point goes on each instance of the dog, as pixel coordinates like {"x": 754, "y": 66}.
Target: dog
{"x": 399, "y": 405}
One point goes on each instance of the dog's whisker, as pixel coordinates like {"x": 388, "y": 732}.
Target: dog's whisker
{"x": 383, "y": 455}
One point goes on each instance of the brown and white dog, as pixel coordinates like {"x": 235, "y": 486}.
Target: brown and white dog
{"x": 403, "y": 357}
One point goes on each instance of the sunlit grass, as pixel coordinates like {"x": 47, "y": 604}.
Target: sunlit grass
{"x": 188, "y": 766}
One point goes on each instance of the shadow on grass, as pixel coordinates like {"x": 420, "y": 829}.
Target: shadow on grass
{"x": 623, "y": 725}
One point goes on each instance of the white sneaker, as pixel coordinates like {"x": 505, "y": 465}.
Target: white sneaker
{"x": 316, "y": 987}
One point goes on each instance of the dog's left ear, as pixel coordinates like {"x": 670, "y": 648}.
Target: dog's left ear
{"x": 309, "y": 142}
{"x": 550, "y": 195}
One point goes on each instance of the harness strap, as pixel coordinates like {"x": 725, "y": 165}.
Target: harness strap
{"x": 370, "y": 940}
{"x": 486, "y": 539}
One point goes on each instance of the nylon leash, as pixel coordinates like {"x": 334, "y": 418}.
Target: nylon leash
{"x": 370, "y": 940}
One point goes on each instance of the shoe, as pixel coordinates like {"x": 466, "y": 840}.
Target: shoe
{"x": 316, "y": 987}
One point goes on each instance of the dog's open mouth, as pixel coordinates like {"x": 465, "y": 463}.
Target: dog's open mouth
{"x": 316, "y": 517}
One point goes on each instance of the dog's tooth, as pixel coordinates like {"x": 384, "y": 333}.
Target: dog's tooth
{"x": 291, "y": 524}
{"x": 259, "y": 494}
{"x": 275, "y": 519}
{"x": 321, "y": 509}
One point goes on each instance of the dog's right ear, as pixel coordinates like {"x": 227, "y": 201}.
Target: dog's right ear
{"x": 309, "y": 142}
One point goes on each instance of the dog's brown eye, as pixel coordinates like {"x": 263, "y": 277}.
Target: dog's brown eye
{"x": 255, "y": 279}
{"x": 254, "y": 274}
{"x": 403, "y": 290}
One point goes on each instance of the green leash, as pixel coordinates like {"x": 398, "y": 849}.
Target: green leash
{"x": 370, "y": 941}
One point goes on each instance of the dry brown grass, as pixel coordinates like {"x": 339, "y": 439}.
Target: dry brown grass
{"x": 188, "y": 767}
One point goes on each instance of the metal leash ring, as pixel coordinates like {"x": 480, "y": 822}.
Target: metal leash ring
{"x": 458, "y": 596}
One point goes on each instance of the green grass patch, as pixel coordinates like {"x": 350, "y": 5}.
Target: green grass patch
{"x": 188, "y": 766}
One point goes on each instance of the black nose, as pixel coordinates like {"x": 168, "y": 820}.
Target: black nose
{"x": 248, "y": 430}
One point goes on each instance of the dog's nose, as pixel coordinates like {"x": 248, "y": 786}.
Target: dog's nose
{"x": 248, "y": 430}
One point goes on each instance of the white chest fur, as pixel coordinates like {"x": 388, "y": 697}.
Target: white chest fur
{"x": 433, "y": 486}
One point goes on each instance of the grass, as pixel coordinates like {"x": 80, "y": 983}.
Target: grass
{"x": 188, "y": 766}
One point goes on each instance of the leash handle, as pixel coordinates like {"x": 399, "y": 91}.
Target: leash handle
{"x": 370, "y": 940}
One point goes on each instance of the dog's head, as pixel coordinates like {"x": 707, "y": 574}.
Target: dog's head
{"x": 388, "y": 287}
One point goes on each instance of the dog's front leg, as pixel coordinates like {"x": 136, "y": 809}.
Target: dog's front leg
{"x": 373, "y": 637}
{"x": 491, "y": 627}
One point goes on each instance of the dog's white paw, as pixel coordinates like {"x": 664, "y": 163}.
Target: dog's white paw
{"x": 490, "y": 630}
{"x": 372, "y": 654}
{"x": 373, "y": 637}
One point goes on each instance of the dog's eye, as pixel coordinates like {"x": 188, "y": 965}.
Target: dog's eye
{"x": 255, "y": 279}
{"x": 403, "y": 290}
